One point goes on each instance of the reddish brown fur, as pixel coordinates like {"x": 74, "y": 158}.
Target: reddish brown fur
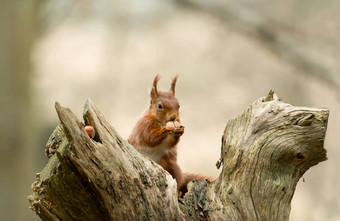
{"x": 169, "y": 163}
{"x": 151, "y": 131}
{"x": 187, "y": 177}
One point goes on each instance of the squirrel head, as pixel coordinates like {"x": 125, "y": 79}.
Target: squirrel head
{"x": 163, "y": 104}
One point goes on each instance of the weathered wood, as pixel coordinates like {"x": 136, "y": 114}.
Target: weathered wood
{"x": 106, "y": 179}
{"x": 264, "y": 153}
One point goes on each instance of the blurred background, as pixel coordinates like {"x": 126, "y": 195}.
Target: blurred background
{"x": 227, "y": 53}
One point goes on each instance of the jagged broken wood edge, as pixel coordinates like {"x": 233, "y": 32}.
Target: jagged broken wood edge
{"x": 123, "y": 184}
{"x": 219, "y": 200}
{"x": 264, "y": 153}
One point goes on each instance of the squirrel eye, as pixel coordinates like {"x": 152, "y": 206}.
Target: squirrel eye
{"x": 160, "y": 106}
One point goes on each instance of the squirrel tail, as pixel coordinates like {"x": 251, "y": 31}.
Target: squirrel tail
{"x": 187, "y": 177}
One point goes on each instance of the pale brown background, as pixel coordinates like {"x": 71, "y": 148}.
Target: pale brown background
{"x": 109, "y": 51}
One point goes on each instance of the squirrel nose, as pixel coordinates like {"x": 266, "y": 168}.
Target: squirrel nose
{"x": 173, "y": 118}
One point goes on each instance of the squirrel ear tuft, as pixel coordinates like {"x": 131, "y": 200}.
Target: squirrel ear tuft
{"x": 173, "y": 84}
{"x": 154, "y": 92}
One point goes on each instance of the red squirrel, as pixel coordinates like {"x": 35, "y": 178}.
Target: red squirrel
{"x": 158, "y": 132}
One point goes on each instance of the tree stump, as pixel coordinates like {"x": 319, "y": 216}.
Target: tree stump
{"x": 264, "y": 153}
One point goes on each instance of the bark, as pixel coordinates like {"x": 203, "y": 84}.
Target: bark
{"x": 264, "y": 153}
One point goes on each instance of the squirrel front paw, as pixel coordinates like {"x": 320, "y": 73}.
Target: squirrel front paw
{"x": 175, "y": 127}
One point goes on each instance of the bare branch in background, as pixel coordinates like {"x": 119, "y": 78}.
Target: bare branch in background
{"x": 275, "y": 36}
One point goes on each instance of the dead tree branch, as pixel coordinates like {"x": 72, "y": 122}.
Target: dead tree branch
{"x": 274, "y": 36}
{"x": 264, "y": 153}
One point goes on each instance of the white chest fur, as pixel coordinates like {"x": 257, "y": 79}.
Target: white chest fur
{"x": 156, "y": 153}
